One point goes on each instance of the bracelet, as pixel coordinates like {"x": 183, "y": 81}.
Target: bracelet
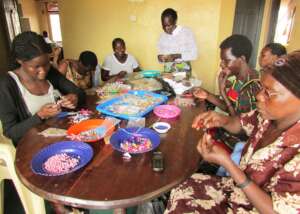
{"x": 244, "y": 184}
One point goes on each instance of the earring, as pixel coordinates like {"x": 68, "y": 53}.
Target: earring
{"x": 280, "y": 62}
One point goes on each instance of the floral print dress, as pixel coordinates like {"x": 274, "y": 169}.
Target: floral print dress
{"x": 81, "y": 81}
{"x": 275, "y": 168}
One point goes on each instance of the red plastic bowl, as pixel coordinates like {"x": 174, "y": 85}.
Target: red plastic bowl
{"x": 87, "y": 125}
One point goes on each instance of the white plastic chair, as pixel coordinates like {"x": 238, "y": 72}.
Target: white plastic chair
{"x": 32, "y": 203}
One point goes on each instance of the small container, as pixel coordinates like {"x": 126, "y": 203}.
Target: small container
{"x": 167, "y": 111}
{"x": 161, "y": 127}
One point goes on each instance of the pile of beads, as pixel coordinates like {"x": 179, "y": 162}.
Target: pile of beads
{"x": 136, "y": 144}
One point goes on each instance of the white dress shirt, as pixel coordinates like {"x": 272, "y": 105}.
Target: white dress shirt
{"x": 181, "y": 41}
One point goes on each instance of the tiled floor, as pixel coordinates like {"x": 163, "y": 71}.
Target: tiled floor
{"x": 12, "y": 203}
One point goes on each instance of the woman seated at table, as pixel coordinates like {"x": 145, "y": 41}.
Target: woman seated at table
{"x": 267, "y": 180}
{"x": 270, "y": 53}
{"x": 119, "y": 63}
{"x": 238, "y": 83}
{"x": 28, "y": 93}
{"x": 80, "y": 71}
{"x": 57, "y": 57}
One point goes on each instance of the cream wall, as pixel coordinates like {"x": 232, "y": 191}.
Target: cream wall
{"x": 264, "y": 28}
{"x": 31, "y": 10}
{"x": 37, "y": 14}
{"x": 93, "y": 25}
{"x": 226, "y": 21}
{"x": 44, "y": 19}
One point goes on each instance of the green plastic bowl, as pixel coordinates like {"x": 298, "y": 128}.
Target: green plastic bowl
{"x": 150, "y": 73}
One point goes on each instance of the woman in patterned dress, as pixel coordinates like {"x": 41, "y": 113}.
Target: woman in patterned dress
{"x": 268, "y": 178}
{"x": 238, "y": 85}
{"x": 80, "y": 71}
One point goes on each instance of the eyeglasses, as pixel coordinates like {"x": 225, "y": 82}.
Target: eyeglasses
{"x": 267, "y": 93}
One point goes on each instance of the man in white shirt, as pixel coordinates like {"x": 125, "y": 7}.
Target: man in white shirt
{"x": 176, "y": 44}
{"x": 119, "y": 63}
{"x": 46, "y": 38}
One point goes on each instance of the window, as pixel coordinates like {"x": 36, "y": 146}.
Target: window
{"x": 55, "y": 27}
{"x": 53, "y": 11}
{"x": 285, "y": 21}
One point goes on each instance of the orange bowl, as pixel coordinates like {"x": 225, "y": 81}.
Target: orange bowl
{"x": 88, "y": 125}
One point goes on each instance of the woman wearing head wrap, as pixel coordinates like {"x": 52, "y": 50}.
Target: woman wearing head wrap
{"x": 267, "y": 180}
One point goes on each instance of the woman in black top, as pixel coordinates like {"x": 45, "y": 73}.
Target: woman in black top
{"x": 32, "y": 76}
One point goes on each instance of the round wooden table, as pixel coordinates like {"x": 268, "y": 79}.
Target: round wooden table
{"x": 108, "y": 181}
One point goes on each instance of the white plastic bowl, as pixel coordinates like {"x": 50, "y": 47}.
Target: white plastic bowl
{"x": 161, "y": 127}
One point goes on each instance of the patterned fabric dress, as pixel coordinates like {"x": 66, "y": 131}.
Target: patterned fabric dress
{"x": 275, "y": 168}
{"x": 81, "y": 81}
{"x": 242, "y": 95}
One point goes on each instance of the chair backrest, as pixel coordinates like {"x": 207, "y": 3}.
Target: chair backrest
{"x": 32, "y": 203}
{"x": 7, "y": 150}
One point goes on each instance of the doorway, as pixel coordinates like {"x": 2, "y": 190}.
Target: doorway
{"x": 11, "y": 17}
{"x": 247, "y": 21}
{"x": 54, "y": 22}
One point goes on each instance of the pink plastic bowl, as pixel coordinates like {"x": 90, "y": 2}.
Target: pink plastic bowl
{"x": 167, "y": 111}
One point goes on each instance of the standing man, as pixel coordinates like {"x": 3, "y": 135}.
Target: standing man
{"x": 177, "y": 45}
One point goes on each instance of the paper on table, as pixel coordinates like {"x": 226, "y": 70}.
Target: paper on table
{"x": 179, "y": 88}
{"x": 108, "y": 124}
{"x": 53, "y": 132}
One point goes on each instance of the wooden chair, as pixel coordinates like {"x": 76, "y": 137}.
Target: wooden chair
{"x": 32, "y": 203}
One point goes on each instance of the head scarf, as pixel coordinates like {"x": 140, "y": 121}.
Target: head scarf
{"x": 286, "y": 70}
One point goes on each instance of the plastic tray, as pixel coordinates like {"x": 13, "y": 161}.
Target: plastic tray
{"x": 102, "y": 107}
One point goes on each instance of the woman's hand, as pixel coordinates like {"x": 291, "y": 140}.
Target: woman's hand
{"x": 161, "y": 58}
{"x": 49, "y": 110}
{"x": 222, "y": 78}
{"x": 210, "y": 119}
{"x": 62, "y": 67}
{"x": 212, "y": 153}
{"x": 69, "y": 101}
{"x": 56, "y": 51}
{"x": 168, "y": 58}
{"x": 201, "y": 93}
{"x": 122, "y": 74}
